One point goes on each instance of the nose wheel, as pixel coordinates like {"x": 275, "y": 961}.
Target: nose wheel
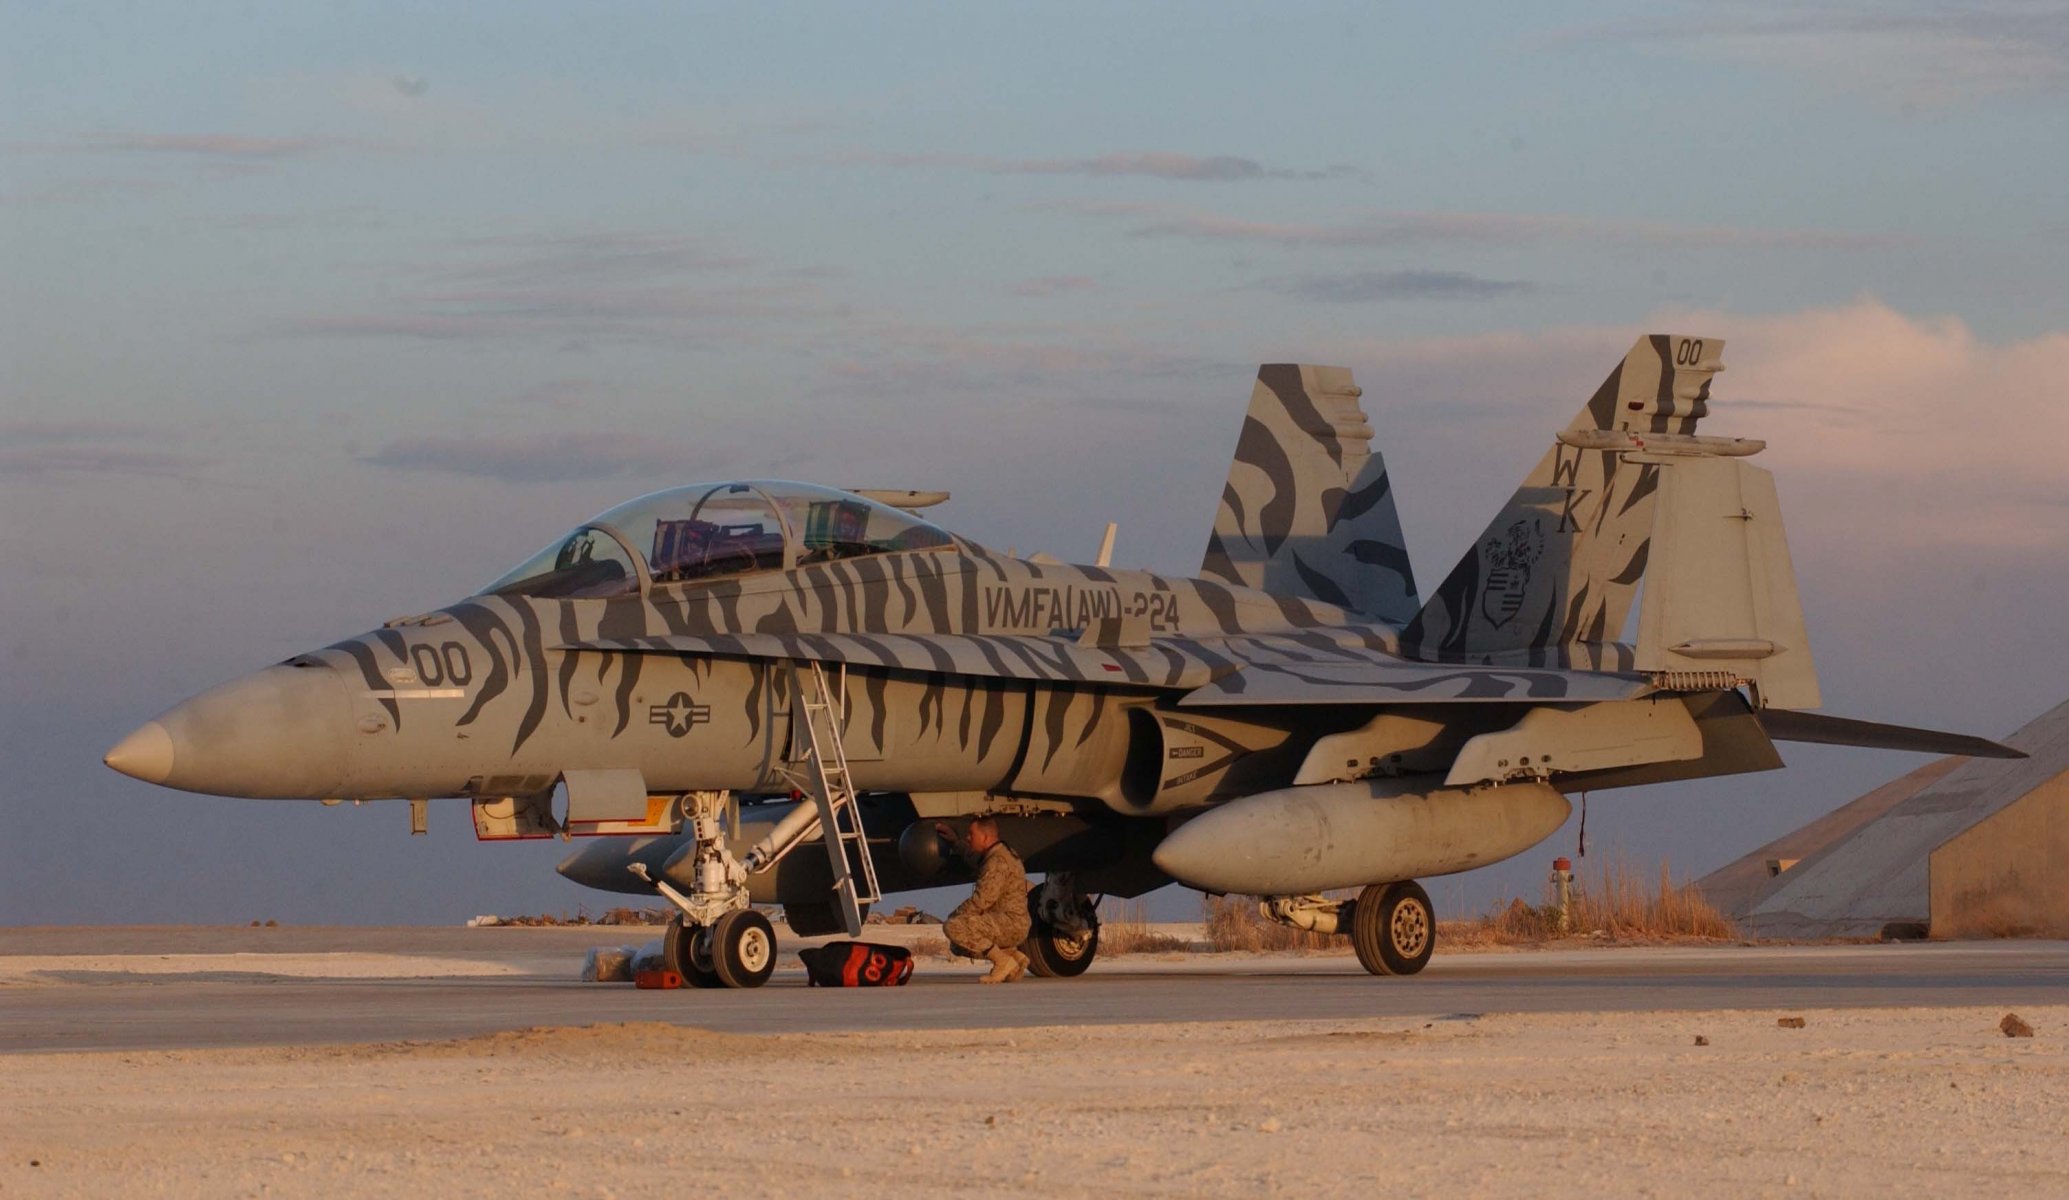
{"x": 1393, "y": 928}
{"x": 680, "y": 954}
{"x": 743, "y": 949}
{"x": 738, "y": 951}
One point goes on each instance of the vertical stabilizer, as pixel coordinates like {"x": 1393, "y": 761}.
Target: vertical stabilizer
{"x": 1552, "y": 580}
{"x": 1307, "y": 510}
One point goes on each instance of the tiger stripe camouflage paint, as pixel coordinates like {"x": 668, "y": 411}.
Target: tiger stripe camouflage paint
{"x": 1552, "y": 579}
{"x": 1094, "y": 704}
{"x": 1308, "y": 509}
{"x": 967, "y": 671}
{"x": 501, "y": 688}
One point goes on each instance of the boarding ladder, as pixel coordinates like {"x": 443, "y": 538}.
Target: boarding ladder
{"x": 840, "y": 815}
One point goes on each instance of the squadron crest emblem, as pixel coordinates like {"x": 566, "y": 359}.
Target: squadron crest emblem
{"x": 1509, "y": 558}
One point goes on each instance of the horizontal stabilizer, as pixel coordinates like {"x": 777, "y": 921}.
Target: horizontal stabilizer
{"x": 1785, "y": 726}
{"x": 1410, "y": 683}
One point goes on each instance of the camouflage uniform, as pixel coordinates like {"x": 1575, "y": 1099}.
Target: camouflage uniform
{"x": 995, "y": 915}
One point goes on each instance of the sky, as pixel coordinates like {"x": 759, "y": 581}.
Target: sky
{"x": 312, "y": 316}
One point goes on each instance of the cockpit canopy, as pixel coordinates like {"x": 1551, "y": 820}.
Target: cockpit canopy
{"x": 713, "y": 530}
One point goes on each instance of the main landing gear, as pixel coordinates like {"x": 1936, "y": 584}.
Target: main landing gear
{"x": 1064, "y": 935}
{"x": 1392, "y": 927}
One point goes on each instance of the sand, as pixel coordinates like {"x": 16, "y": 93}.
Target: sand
{"x": 1884, "y": 1102}
{"x": 102, "y": 968}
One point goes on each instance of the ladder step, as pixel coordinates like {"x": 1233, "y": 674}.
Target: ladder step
{"x": 854, "y": 884}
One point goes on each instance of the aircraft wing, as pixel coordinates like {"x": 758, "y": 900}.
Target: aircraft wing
{"x": 1396, "y": 682}
{"x": 1162, "y": 663}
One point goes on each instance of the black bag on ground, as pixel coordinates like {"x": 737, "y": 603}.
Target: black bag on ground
{"x": 857, "y": 964}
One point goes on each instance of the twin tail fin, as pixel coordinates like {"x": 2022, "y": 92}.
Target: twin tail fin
{"x": 1552, "y": 579}
{"x": 1307, "y": 510}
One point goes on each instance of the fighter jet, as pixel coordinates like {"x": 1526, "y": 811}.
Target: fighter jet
{"x": 710, "y": 679}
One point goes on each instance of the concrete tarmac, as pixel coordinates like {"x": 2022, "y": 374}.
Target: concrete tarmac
{"x": 109, "y": 1007}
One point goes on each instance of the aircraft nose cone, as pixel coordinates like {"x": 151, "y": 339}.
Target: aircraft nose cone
{"x": 283, "y": 733}
{"x": 145, "y": 754}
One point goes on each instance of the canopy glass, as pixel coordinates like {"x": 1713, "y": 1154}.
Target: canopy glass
{"x": 715, "y": 530}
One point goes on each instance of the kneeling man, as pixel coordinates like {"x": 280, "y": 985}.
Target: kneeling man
{"x": 993, "y": 921}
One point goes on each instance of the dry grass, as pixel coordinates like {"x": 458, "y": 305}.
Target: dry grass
{"x": 1620, "y": 904}
{"x": 1124, "y": 929}
{"x": 929, "y": 947}
{"x": 1234, "y": 924}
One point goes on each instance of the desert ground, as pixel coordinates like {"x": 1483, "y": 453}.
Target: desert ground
{"x": 1896, "y": 1098}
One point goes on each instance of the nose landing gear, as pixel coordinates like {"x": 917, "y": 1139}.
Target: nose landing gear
{"x": 716, "y": 940}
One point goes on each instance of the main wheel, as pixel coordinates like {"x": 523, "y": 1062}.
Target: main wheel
{"x": 1053, "y": 955}
{"x": 686, "y": 951}
{"x": 743, "y": 949}
{"x": 1393, "y": 928}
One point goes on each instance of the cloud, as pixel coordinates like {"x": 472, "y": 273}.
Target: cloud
{"x": 97, "y": 460}
{"x": 329, "y": 218}
{"x": 1364, "y": 287}
{"x": 561, "y": 393}
{"x": 1190, "y": 168}
{"x": 678, "y": 316}
{"x": 1385, "y": 229}
{"x": 587, "y": 258}
{"x": 1052, "y": 285}
{"x": 540, "y": 457}
{"x": 86, "y": 190}
{"x": 1910, "y": 434}
{"x": 951, "y": 365}
{"x": 92, "y": 447}
{"x": 85, "y": 429}
{"x": 1918, "y": 52}
{"x": 574, "y": 287}
{"x": 219, "y": 146}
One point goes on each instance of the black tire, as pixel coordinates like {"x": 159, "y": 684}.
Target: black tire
{"x": 743, "y": 949}
{"x": 1053, "y": 956}
{"x": 679, "y": 954}
{"x": 1393, "y": 928}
